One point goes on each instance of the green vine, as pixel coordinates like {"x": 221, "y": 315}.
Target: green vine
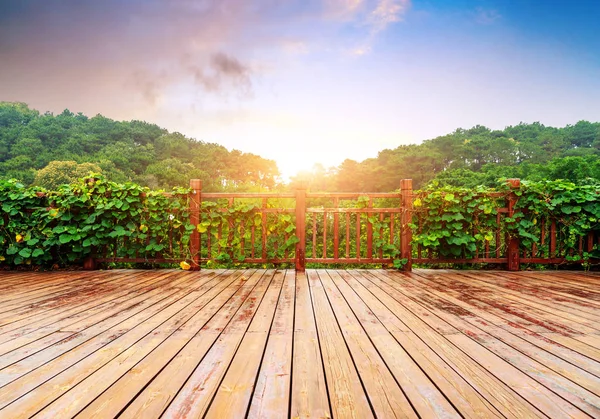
{"x": 456, "y": 222}
{"x": 227, "y": 233}
{"x": 90, "y": 217}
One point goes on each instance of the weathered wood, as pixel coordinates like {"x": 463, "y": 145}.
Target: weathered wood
{"x": 271, "y": 396}
{"x": 309, "y": 391}
{"x": 346, "y": 394}
{"x": 267, "y": 344}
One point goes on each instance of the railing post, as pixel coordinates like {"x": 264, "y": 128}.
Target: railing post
{"x": 195, "y": 200}
{"x": 406, "y": 205}
{"x": 514, "y": 263}
{"x": 300, "y": 258}
{"x": 89, "y": 263}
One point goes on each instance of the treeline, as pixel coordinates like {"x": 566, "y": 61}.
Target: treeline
{"x": 476, "y": 156}
{"x": 123, "y": 151}
{"x": 48, "y": 150}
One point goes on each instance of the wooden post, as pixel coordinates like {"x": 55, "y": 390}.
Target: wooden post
{"x": 514, "y": 263}
{"x": 300, "y": 258}
{"x": 406, "y": 205}
{"x": 89, "y": 263}
{"x": 195, "y": 200}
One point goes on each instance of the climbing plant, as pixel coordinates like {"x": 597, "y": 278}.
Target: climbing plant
{"x": 456, "y": 222}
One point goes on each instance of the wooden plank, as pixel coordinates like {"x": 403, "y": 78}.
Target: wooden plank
{"x": 557, "y": 374}
{"x": 385, "y": 394}
{"x": 309, "y": 391}
{"x": 73, "y": 295}
{"x": 26, "y": 338}
{"x": 490, "y": 315}
{"x": 455, "y": 388}
{"x": 346, "y": 394}
{"x": 86, "y": 342}
{"x": 159, "y": 394}
{"x": 116, "y": 280}
{"x": 69, "y": 369}
{"x": 235, "y": 391}
{"x": 271, "y": 397}
{"x": 510, "y": 366}
{"x": 194, "y": 398}
{"x": 124, "y": 390}
{"x": 435, "y": 333}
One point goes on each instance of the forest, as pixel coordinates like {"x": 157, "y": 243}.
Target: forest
{"x": 47, "y": 150}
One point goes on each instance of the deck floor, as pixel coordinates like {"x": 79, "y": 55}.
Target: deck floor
{"x": 276, "y": 344}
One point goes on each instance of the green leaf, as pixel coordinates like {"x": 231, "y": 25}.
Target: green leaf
{"x": 37, "y": 252}
{"x": 25, "y": 253}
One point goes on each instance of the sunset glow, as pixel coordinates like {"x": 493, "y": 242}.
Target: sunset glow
{"x": 305, "y": 82}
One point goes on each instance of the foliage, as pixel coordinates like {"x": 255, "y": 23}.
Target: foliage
{"x": 65, "y": 226}
{"x": 97, "y": 217}
{"x": 453, "y": 222}
{"x": 574, "y": 209}
{"x": 474, "y": 157}
{"x": 58, "y": 173}
{"x": 125, "y": 151}
{"x": 227, "y": 232}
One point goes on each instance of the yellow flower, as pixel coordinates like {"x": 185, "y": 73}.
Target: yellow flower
{"x": 143, "y": 228}
{"x": 185, "y": 266}
{"x": 53, "y": 212}
{"x": 19, "y": 238}
{"x": 417, "y": 202}
{"x": 2, "y": 258}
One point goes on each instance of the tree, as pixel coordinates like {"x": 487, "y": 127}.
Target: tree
{"x": 63, "y": 172}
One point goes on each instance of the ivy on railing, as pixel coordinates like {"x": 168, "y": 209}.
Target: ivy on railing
{"x": 456, "y": 222}
{"x": 572, "y": 211}
{"x": 227, "y": 232}
{"x": 93, "y": 216}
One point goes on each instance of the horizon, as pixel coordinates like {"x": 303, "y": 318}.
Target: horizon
{"x": 311, "y": 170}
{"x": 304, "y": 83}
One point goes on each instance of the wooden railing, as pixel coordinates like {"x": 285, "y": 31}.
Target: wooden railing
{"x": 344, "y": 228}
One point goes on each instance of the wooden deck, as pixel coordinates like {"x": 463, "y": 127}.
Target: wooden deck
{"x": 276, "y": 344}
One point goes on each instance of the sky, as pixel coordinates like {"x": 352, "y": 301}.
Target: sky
{"x": 306, "y": 81}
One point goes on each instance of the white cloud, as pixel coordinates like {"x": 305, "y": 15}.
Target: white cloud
{"x": 486, "y": 16}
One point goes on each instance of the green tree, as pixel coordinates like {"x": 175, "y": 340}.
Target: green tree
{"x": 63, "y": 172}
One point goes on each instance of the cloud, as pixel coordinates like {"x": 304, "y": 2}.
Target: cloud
{"x": 380, "y": 16}
{"x": 222, "y": 70}
{"x": 387, "y": 12}
{"x": 486, "y": 16}
{"x": 123, "y": 58}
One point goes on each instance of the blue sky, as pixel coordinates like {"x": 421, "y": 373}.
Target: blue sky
{"x": 305, "y": 82}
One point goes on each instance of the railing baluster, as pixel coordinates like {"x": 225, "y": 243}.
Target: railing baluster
{"x": 553, "y": 238}
{"x": 381, "y": 235}
{"x": 252, "y": 240}
{"x": 347, "y": 235}
{"x": 369, "y": 232}
{"x": 264, "y": 230}
{"x": 358, "y": 235}
{"x": 324, "y": 235}
{"x": 314, "y": 235}
{"x": 336, "y": 230}
{"x": 242, "y": 238}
